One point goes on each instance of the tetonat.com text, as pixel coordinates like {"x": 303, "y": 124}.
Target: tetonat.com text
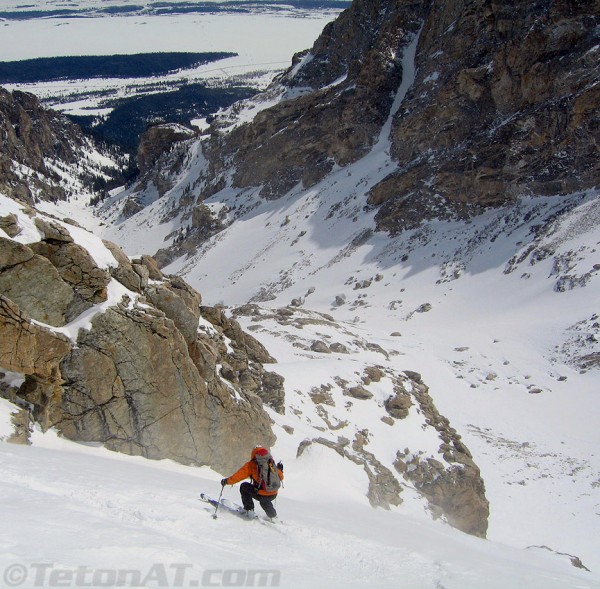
{"x": 158, "y": 575}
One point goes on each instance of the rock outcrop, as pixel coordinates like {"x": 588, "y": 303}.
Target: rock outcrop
{"x": 156, "y": 140}
{"x": 384, "y": 490}
{"x": 142, "y": 393}
{"x": 453, "y": 487}
{"x": 151, "y": 372}
{"x": 33, "y": 283}
{"x": 504, "y": 104}
{"x": 347, "y": 84}
{"x": 36, "y": 142}
{"x": 28, "y": 348}
{"x": 160, "y": 155}
{"x": 451, "y": 482}
{"x": 423, "y": 453}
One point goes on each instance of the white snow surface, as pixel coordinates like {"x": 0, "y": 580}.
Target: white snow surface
{"x": 73, "y": 509}
{"x": 491, "y": 348}
{"x": 495, "y": 314}
{"x": 87, "y": 517}
{"x": 258, "y": 38}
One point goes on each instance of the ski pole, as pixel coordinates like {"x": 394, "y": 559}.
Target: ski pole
{"x": 218, "y": 502}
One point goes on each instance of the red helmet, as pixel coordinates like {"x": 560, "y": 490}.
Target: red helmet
{"x": 258, "y": 451}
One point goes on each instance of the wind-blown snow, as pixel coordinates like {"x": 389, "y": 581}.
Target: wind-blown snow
{"x": 29, "y": 232}
{"x": 93, "y": 244}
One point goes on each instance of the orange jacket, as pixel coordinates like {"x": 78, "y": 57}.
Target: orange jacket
{"x": 250, "y": 470}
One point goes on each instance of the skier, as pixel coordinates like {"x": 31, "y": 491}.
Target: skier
{"x": 266, "y": 480}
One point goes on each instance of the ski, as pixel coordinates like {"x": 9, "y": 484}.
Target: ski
{"x": 228, "y": 506}
{"x": 235, "y": 509}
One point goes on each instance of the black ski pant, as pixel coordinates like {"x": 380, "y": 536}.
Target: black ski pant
{"x": 249, "y": 492}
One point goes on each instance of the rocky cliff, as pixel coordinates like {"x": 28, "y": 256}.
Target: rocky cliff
{"x": 45, "y": 156}
{"x": 335, "y": 101}
{"x": 504, "y": 104}
{"x": 109, "y": 350}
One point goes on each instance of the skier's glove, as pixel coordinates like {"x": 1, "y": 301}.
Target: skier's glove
{"x": 223, "y": 482}
{"x": 280, "y": 466}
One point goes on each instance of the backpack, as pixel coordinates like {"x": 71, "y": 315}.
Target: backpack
{"x": 267, "y": 472}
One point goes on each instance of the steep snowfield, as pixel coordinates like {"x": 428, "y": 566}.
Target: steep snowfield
{"x": 496, "y": 348}
{"x": 81, "y": 516}
{"x": 488, "y": 336}
{"x": 494, "y": 314}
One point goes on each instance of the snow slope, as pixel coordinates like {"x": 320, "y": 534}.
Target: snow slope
{"x": 81, "y": 516}
{"x": 497, "y": 349}
{"x": 69, "y": 506}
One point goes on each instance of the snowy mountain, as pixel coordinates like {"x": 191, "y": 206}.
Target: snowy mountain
{"x": 344, "y": 379}
{"x": 499, "y": 316}
{"x": 496, "y": 307}
{"x": 438, "y": 353}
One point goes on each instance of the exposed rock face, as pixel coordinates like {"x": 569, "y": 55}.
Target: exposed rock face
{"x": 77, "y": 268}
{"x": 399, "y": 404}
{"x": 184, "y": 314}
{"x": 505, "y": 103}
{"x": 358, "y": 392}
{"x": 301, "y": 140}
{"x": 28, "y": 348}
{"x": 133, "y": 276}
{"x": 457, "y": 492}
{"x": 155, "y": 145}
{"x": 155, "y": 374}
{"x": 157, "y": 140}
{"x": 21, "y": 422}
{"x": 33, "y": 283}
{"x": 141, "y": 393}
{"x": 243, "y": 365}
{"x": 9, "y": 225}
{"x": 32, "y": 137}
